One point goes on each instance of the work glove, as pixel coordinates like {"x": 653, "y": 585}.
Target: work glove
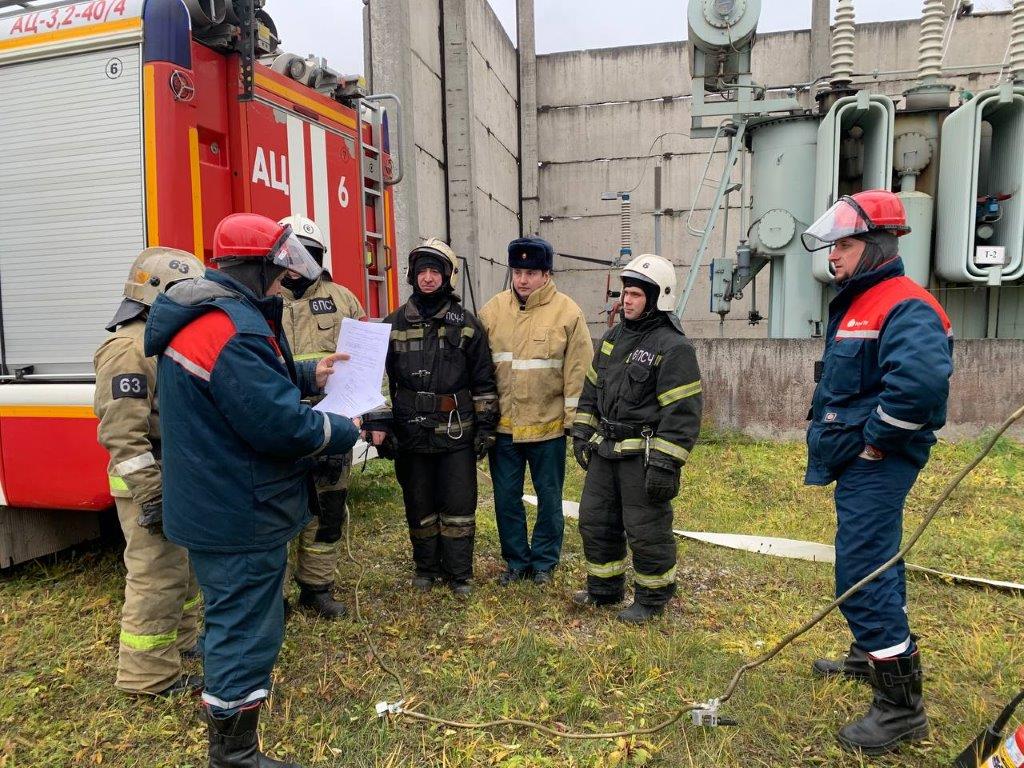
{"x": 152, "y": 516}
{"x": 483, "y": 443}
{"x": 661, "y": 483}
{"x": 582, "y": 449}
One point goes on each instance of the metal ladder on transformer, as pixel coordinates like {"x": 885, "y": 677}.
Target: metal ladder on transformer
{"x": 377, "y": 252}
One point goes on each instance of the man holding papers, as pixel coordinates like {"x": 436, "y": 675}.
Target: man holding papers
{"x": 445, "y": 405}
{"x": 238, "y": 443}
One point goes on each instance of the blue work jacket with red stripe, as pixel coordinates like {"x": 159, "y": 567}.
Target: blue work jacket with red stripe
{"x": 885, "y": 373}
{"x": 237, "y": 440}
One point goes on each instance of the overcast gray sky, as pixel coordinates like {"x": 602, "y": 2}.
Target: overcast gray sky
{"x": 334, "y": 28}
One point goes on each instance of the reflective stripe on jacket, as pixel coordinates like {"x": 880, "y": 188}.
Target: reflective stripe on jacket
{"x": 443, "y": 354}
{"x": 645, "y": 374}
{"x": 125, "y": 403}
{"x": 885, "y": 373}
{"x": 541, "y": 351}
{"x": 236, "y": 435}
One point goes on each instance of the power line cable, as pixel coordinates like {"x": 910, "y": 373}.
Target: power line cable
{"x": 702, "y": 713}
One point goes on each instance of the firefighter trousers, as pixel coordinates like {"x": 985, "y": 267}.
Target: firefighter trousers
{"x": 869, "y": 510}
{"x": 244, "y": 624}
{"x": 161, "y": 607}
{"x": 439, "y": 490}
{"x": 318, "y": 548}
{"x": 614, "y": 510}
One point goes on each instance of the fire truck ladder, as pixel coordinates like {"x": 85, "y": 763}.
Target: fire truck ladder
{"x": 377, "y": 252}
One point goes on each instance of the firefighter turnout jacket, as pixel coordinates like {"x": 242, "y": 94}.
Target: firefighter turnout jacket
{"x": 125, "y": 403}
{"x": 642, "y": 395}
{"x": 884, "y": 376}
{"x": 312, "y": 321}
{"x": 238, "y": 441}
{"x": 541, "y": 350}
{"x": 441, "y": 378}
{"x": 161, "y": 597}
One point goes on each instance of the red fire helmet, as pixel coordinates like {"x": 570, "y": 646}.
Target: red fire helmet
{"x": 871, "y": 210}
{"x": 252, "y": 236}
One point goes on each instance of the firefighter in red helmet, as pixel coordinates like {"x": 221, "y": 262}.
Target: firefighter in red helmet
{"x": 881, "y": 395}
{"x": 238, "y": 444}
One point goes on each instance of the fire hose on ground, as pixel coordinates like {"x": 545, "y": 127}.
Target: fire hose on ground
{"x": 704, "y": 713}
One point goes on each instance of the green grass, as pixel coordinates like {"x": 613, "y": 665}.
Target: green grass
{"x": 526, "y": 653}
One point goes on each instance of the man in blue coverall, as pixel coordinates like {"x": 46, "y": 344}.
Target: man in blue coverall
{"x": 237, "y": 449}
{"x": 881, "y": 395}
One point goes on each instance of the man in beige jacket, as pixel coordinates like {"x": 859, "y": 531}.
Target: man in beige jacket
{"x": 313, "y": 311}
{"x": 542, "y": 348}
{"x": 161, "y": 595}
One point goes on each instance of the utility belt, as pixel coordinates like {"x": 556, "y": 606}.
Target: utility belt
{"x": 617, "y": 430}
{"x": 433, "y": 402}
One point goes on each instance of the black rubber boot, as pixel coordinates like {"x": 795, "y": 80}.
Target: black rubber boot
{"x": 184, "y": 684}
{"x": 584, "y": 599}
{"x": 426, "y": 554}
{"x": 639, "y": 614}
{"x": 423, "y": 583}
{"x": 512, "y": 575}
{"x": 897, "y": 711}
{"x": 193, "y": 653}
{"x": 320, "y": 602}
{"x": 234, "y": 742}
{"x": 853, "y": 667}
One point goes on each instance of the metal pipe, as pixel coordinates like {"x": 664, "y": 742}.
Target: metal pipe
{"x": 84, "y": 378}
{"x": 393, "y": 98}
{"x": 657, "y": 208}
{"x": 744, "y": 194}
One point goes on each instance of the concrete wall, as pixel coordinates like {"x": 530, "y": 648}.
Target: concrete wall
{"x": 600, "y": 110}
{"x": 495, "y": 109}
{"x": 763, "y": 387}
{"x": 458, "y": 81}
{"x": 403, "y": 56}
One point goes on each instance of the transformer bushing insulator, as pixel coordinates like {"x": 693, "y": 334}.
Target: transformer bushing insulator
{"x": 933, "y": 27}
{"x": 1016, "y": 64}
{"x": 843, "y": 39}
{"x": 626, "y": 226}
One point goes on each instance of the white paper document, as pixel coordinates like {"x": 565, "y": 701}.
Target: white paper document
{"x": 354, "y": 387}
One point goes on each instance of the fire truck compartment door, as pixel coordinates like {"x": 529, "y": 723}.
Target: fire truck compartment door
{"x": 71, "y": 203}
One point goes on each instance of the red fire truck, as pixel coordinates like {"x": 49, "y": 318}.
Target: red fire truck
{"x": 132, "y": 123}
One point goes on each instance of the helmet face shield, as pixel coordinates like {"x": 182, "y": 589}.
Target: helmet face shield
{"x": 290, "y": 253}
{"x": 844, "y": 219}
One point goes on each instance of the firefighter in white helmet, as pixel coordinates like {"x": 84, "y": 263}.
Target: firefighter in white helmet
{"x": 313, "y": 311}
{"x": 637, "y": 421}
{"x": 161, "y": 596}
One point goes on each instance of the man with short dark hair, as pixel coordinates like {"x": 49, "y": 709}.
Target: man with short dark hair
{"x": 541, "y": 348}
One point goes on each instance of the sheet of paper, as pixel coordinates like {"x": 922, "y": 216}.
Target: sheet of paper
{"x": 354, "y": 387}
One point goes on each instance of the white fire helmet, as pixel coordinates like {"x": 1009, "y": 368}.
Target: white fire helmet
{"x": 658, "y": 271}
{"x": 309, "y": 234}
